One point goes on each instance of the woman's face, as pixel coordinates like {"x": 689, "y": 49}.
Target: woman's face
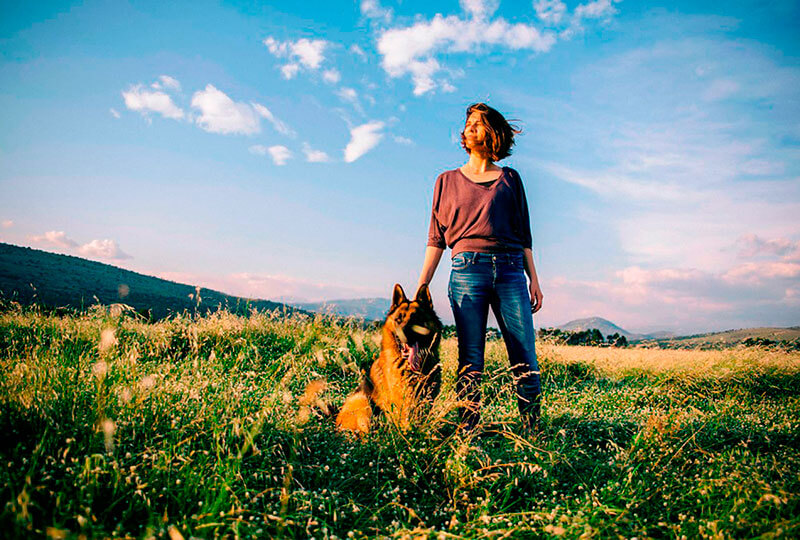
{"x": 474, "y": 130}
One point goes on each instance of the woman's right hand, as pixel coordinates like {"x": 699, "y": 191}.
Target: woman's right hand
{"x": 536, "y": 297}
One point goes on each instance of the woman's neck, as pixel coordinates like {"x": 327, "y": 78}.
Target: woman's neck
{"x": 478, "y": 164}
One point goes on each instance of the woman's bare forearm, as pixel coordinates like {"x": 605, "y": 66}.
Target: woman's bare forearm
{"x": 432, "y": 257}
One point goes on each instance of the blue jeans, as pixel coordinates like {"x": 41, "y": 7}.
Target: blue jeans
{"x": 478, "y": 281}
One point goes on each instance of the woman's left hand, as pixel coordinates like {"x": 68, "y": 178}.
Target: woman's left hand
{"x": 536, "y": 297}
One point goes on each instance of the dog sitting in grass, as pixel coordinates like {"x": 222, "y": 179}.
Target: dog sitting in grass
{"x": 407, "y": 371}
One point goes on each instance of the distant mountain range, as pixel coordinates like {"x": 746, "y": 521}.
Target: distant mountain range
{"x": 52, "y": 280}
{"x": 366, "y": 308}
{"x": 607, "y": 328}
{"x": 30, "y": 275}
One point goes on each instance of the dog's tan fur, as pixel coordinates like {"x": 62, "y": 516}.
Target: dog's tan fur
{"x": 396, "y": 382}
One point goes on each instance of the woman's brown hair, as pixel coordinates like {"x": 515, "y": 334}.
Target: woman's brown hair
{"x": 499, "y": 133}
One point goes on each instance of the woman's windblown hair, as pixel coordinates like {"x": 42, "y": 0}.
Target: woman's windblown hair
{"x": 499, "y": 133}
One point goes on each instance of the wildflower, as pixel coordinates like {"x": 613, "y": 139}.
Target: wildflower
{"x": 99, "y": 369}
{"x": 107, "y": 340}
{"x": 109, "y": 427}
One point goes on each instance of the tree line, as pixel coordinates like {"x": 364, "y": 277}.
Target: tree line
{"x": 592, "y": 336}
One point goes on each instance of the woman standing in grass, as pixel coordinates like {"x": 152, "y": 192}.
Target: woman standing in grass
{"x": 481, "y": 213}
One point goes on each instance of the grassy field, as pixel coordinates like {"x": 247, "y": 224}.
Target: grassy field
{"x": 194, "y": 427}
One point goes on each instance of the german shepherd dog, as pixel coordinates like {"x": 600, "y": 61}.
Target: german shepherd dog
{"x": 407, "y": 371}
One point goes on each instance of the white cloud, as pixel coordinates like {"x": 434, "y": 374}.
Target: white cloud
{"x": 550, "y": 11}
{"x": 140, "y": 99}
{"x": 314, "y": 156}
{"x": 280, "y": 154}
{"x": 8, "y": 223}
{"x": 363, "y": 138}
{"x": 372, "y": 9}
{"x": 358, "y": 51}
{"x": 54, "y": 239}
{"x": 596, "y": 10}
{"x": 410, "y": 50}
{"x": 599, "y": 9}
{"x": 479, "y": 9}
{"x": 762, "y": 167}
{"x": 305, "y": 53}
{"x": 331, "y": 76}
{"x": 289, "y": 71}
{"x": 279, "y": 126}
{"x": 166, "y": 81}
{"x": 103, "y": 249}
{"x": 403, "y": 140}
{"x": 347, "y": 94}
{"x": 258, "y": 149}
{"x": 220, "y": 114}
{"x": 114, "y": 112}
{"x": 683, "y": 299}
{"x": 752, "y": 245}
{"x": 720, "y": 89}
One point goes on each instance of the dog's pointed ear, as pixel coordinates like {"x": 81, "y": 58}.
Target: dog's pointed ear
{"x": 398, "y": 296}
{"x": 423, "y": 296}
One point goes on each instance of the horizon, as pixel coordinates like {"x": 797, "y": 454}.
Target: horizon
{"x": 291, "y": 151}
{"x": 299, "y": 303}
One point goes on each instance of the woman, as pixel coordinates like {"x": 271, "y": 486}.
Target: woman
{"x": 481, "y": 213}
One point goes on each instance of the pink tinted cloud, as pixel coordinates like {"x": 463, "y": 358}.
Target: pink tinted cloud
{"x": 103, "y": 249}
{"x": 54, "y": 239}
{"x": 270, "y": 286}
{"x": 752, "y": 245}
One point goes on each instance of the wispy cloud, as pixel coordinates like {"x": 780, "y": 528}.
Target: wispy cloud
{"x": 271, "y": 286}
{"x": 363, "y": 138}
{"x": 279, "y": 126}
{"x": 258, "y": 149}
{"x": 103, "y": 249}
{"x": 347, "y": 94}
{"x": 682, "y": 299}
{"x": 167, "y": 82}
{"x": 550, "y": 12}
{"x": 303, "y": 53}
{"x": 220, "y": 114}
{"x": 279, "y": 154}
{"x": 372, "y": 9}
{"x": 114, "y": 112}
{"x": 143, "y": 100}
{"x": 412, "y": 50}
{"x": 8, "y": 223}
{"x": 314, "y": 156}
{"x": 57, "y": 239}
{"x": 331, "y": 76}
{"x": 752, "y": 245}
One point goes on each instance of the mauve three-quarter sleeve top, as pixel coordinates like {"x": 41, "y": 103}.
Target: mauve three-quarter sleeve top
{"x": 472, "y": 217}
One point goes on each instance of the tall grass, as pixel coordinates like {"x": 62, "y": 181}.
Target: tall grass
{"x": 193, "y": 427}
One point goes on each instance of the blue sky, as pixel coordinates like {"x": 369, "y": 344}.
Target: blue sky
{"x": 290, "y": 151}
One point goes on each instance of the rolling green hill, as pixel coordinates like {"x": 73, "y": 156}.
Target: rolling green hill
{"x": 52, "y": 280}
{"x": 729, "y": 338}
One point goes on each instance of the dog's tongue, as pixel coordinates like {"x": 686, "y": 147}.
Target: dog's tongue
{"x": 413, "y": 357}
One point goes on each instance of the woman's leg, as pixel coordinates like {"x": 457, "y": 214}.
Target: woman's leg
{"x": 511, "y": 306}
{"x": 469, "y": 293}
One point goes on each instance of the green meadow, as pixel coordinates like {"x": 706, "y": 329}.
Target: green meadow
{"x": 199, "y": 427}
